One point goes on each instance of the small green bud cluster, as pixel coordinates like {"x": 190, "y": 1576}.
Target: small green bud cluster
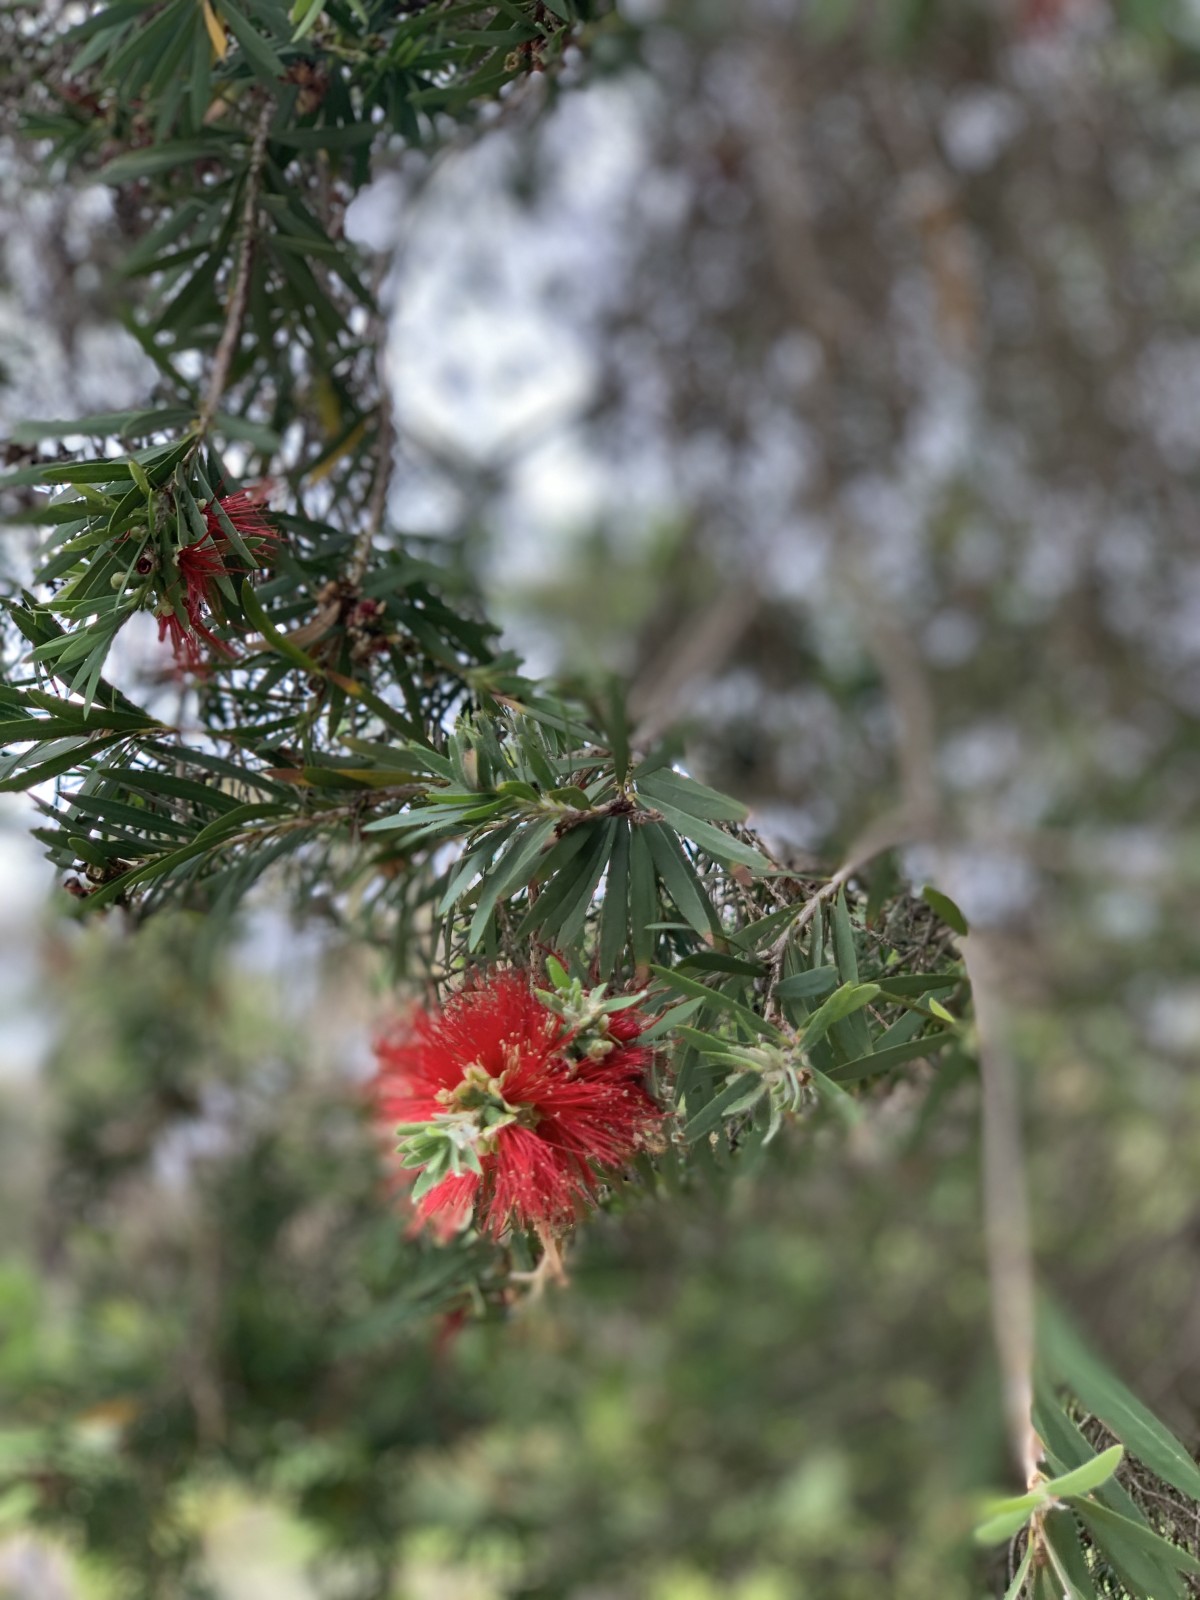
{"x": 585, "y": 1011}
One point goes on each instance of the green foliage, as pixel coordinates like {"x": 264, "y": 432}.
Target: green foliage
{"x": 342, "y": 717}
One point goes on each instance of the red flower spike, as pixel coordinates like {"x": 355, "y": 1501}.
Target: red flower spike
{"x": 245, "y": 511}
{"x": 200, "y": 565}
{"x": 183, "y": 642}
{"x": 533, "y": 1112}
{"x": 204, "y": 563}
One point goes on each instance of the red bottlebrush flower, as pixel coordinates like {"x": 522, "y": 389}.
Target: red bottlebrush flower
{"x": 200, "y": 565}
{"x": 185, "y": 640}
{"x": 510, "y": 1112}
{"x": 209, "y": 559}
{"x": 245, "y": 510}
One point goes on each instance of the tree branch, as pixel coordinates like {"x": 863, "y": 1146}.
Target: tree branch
{"x": 1005, "y": 1207}
{"x": 376, "y": 508}
{"x": 239, "y": 294}
{"x": 1005, "y": 1202}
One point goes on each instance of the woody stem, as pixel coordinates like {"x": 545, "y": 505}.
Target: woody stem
{"x": 239, "y": 294}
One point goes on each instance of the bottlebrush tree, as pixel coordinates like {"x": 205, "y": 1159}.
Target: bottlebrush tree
{"x": 603, "y": 976}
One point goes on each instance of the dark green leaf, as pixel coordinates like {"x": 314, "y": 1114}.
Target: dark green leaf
{"x": 843, "y": 940}
{"x": 714, "y": 961}
{"x": 717, "y": 998}
{"x": 1146, "y": 1559}
{"x": 808, "y": 985}
{"x": 690, "y": 797}
{"x": 737, "y": 1095}
{"x": 942, "y": 905}
{"x": 512, "y": 872}
{"x": 160, "y": 158}
{"x": 713, "y": 841}
{"x": 643, "y": 900}
{"x": 1106, "y": 1397}
{"x": 886, "y": 1060}
{"x": 679, "y": 879}
{"x": 614, "y": 915}
{"x": 1066, "y": 1554}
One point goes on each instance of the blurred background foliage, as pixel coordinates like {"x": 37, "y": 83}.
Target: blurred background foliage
{"x": 830, "y": 371}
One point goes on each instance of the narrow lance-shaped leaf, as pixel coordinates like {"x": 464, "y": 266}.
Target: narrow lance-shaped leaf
{"x": 1106, "y": 1397}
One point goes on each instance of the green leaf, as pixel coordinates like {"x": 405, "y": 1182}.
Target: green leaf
{"x": 1045, "y": 1583}
{"x": 304, "y": 14}
{"x": 918, "y": 985}
{"x": 808, "y": 985}
{"x": 1067, "y": 1445}
{"x": 717, "y": 998}
{"x": 278, "y": 642}
{"x": 219, "y": 832}
{"x": 851, "y": 997}
{"x": 159, "y": 158}
{"x": 616, "y": 726}
{"x": 106, "y": 424}
{"x": 680, "y": 880}
{"x": 1145, "y": 1559}
{"x": 850, "y": 1036}
{"x": 713, "y": 841}
{"x": 738, "y": 1095}
{"x": 614, "y": 914}
{"x": 559, "y": 870}
{"x": 1083, "y": 1479}
{"x": 246, "y": 431}
{"x": 671, "y": 1019}
{"x": 78, "y": 755}
{"x": 70, "y": 719}
{"x": 1106, "y": 1397}
{"x": 1002, "y": 1524}
{"x": 832, "y": 1095}
{"x": 692, "y": 798}
{"x": 330, "y": 137}
{"x": 1015, "y": 1588}
{"x": 1066, "y": 1555}
{"x": 567, "y": 924}
{"x": 942, "y": 906}
{"x": 643, "y": 900}
{"x": 512, "y": 872}
{"x": 886, "y": 1060}
{"x": 474, "y": 862}
{"x": 1004, "y": 1517}
{"x": 715, "y": 961}
{"x": 259, "y": 53}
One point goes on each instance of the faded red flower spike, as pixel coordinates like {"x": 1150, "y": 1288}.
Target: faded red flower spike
{"x": 510, "y": 1112}
{"x": 183, "y": 640}
{"x": 245, "y": 511}
{"x": 203, "y": 563}
{"x": 200, "y": 565}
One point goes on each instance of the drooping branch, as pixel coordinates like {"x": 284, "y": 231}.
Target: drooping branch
{"x": 1005, "y": 1202}
{"x": 1005, "y": 1207}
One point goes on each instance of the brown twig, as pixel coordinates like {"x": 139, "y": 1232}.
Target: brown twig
{"x": 377, "y": 504}
{"x": 888, "y": 832}
{"x": 239, "y": 294}
{"x": 376, "y": 507}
